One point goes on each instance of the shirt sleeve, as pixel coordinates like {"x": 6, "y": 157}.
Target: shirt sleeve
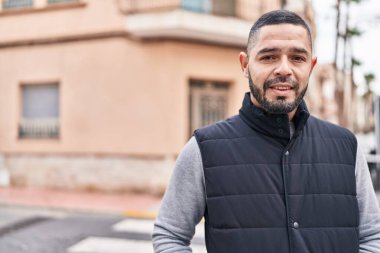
{"x": 183, "y": 204}
{"x": 369, "y": 213}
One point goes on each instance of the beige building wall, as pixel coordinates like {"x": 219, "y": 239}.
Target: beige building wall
{"x": 123, "y": 93}
{"x": 128, "y": 98}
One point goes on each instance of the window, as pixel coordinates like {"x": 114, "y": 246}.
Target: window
{"x": 224, "y": 7}
{"x": 217, "y": 7}
{"x": 208, "y": 103}
{"x": 40, "y": 111}
{"x": 62, "y": 1}
{"x": 197, "y": 5}
{"x": 14, "y": 4}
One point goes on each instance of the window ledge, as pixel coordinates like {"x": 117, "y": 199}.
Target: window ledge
{"x": 181, "y": 24}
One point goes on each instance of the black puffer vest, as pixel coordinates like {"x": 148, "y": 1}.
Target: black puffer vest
{"x": 269, "y": 193}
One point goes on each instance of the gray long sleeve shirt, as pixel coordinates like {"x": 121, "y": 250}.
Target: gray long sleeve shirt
{"x": 184, "y": 204}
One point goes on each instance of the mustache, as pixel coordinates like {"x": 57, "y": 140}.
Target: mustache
{"x": 281, "y": 79}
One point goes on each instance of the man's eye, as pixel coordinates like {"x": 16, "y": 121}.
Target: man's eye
{"x": 268, "y": 58}
{"x": 298, "y": 58}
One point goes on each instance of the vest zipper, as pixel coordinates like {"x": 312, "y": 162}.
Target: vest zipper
{"x": 285, "y": 165}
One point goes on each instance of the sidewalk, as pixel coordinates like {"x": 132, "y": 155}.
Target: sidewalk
{"x": 127, "y": 204}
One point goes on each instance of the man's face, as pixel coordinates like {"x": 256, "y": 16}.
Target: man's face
{"x": 278, "y": 67}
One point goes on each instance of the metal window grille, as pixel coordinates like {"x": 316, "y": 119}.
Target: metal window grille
{"x": 40, "y": 111}
{"x": 208, "y": 103}
{"x": 15, "y": 4}
{"x": 39, "y": 128}
{"x": 62, "y": 1}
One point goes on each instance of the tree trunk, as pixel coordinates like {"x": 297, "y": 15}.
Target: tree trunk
{"x": 338, "y": 85}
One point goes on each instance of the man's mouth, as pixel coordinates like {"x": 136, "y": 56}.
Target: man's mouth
{"x": 281, "y": 87}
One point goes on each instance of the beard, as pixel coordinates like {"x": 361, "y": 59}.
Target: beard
{"x": 280, "y": 105}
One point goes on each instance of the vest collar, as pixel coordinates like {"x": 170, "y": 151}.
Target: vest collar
{"x": 273, "y": 125}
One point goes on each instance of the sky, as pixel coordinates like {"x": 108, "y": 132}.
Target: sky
{"x": 366, "y": 16}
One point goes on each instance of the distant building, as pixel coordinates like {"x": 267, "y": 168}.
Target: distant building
{"x": 338, "y": 101}
{"x": 102, "y": 95}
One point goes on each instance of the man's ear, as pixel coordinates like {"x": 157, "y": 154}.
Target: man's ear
{"x": 313, "y": 63}
{"x": 243, "y": 58}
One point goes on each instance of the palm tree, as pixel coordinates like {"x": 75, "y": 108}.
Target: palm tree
{"x": 344, "y": 85}
{"x": 369, "y": 78}
{"x": 337, "y": 36}
{"x": 368, "y": 99}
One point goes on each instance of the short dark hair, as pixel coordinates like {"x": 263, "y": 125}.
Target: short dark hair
{"x": 276, "y": 17}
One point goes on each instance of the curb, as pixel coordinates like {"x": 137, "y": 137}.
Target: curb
{"x": 136, "y": 214}
{"x": 61, "y": 209}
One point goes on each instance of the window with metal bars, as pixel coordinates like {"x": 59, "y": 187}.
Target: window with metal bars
{"x": 208, "y": 103}
{"x": 17, "y": 4}
{"x": 40, "y": 111}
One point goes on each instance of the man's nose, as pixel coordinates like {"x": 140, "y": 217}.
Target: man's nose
{"x": 283, "y": 68}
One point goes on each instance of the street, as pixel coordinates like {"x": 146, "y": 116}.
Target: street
{"x": 47, "y": 230}
{"x": 42, "y": 231}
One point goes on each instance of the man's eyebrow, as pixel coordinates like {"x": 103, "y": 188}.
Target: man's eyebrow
{"x": 268, "y": 50}
{"x": 299, "y": 50}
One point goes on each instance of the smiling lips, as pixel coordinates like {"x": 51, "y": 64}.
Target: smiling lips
{"x": 281, "y": 87}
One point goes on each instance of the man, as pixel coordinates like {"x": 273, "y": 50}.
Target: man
{"x": 273, "y": 178}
